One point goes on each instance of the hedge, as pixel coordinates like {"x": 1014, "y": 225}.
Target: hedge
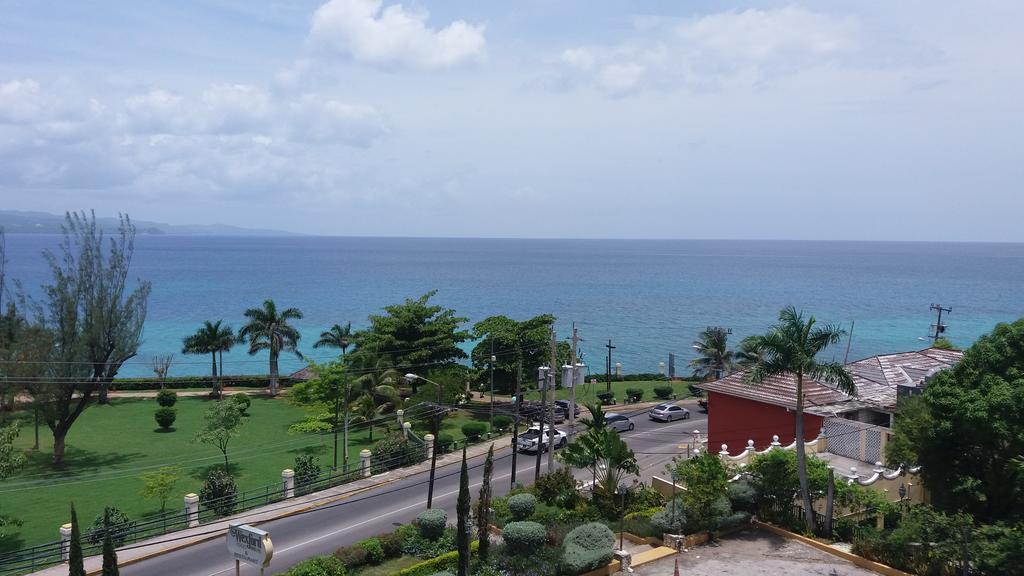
{"x": 166, "y": 398}
{"x": 431, "y": 523}
{"x": 318, "y": 566}
{"x": 442, "y": 563}
{"x": 524, "y": 537}
{"x": 473, "y": 430}
{"x": 663, "y": 392}
{"x": 522, "y": 506}
{"x": 165, "y": 417}
{"x": 588, "y": 547}
{"x": 634, "y": 394}
{"x": 253, "y": 381}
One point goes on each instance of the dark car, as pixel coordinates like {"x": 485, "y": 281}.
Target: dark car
{"x": 564, "y": 405}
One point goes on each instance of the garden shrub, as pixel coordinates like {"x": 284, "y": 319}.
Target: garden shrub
{"x": 306, "y": 470}
{"x": 165, "y": 417}
{"x": 120, "y": 526}
{"x": 219, "y": 492}
{"x": 431, "y": 523}
{"x": 318, "y": 566}
{"x": 473, "y": 430}
{"x": 734, "y": 520}
{"x": 445, "y": 442}
{"x": 439, "y": 563}
{"x": 642, "y": 497}
{"x": 166, "y": 398}
{"x": 522, "y": 506}
{"x": 606, "y": 397}
{"x": 502, "y": 422}
{"x": 420, "y": 547}
{"x": 634, "y": 394}
{"x": 524, "y": 537}
{"x": 545, "y": 561}
{"x": 555, "y": 487}
{"x": 394, "y": 451}
{"x": 242, "y": 400}
{"x": 663, "y": 392}
{"x": 392, "y": 542}
{"x": 374, "y": 550}
{"x": 742, "y": 496}
{"x": 665, "y": 523}
{"x": 353, "y": 557}
{"x": 588, "y": 547}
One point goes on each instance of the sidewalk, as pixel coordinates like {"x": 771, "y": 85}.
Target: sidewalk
{"x": 184, "y": 538}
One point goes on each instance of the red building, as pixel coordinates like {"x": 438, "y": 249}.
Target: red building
{"x": 739, "y": 411}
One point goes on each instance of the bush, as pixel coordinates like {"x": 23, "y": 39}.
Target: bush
{"x": 439, "y": 563}
{"x": 473, "y": 430}
{"x": 431, "y": 523}
{"x": 643, "y": 497}
{"x": 318, "y": 566}
{"x": 522, "y": 506}
{"x": 353, "y": 557}
{"x": 445, "y": 442}
{"x": 391, "y": 543}
{"x": 166, "y": 398}
{"x": 742, "y": 496}
{"x": 502, "y": 422}
{"x": 554, "y": 488}
{"x": 665, "y": 523}
{"x": 663, "y": 392}
{"x": 219, "y": 492}
{"x": 120, "y": 526}
{"x": 588, "y": 547}
{"x": 606, "y": 397}
{"x": 242, "y": 400}
{"x": 394, "y": 451}
{"x": 165, "y": 417}
{"x": 306, "y": 470}
{"x": 634, "y": 394}
{"x": 374, "y": 550}
{"x": 524, "y": 537}
{"x": 734, "y": 520}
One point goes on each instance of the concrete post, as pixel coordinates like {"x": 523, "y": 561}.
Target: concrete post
{"x": 400, "y": 414}
{"x": 65, "y": 542}
{"x": 428, "y": 443}
{"x": 288, "y": 478}
{"x": 406, "y": 427}
{"x": 724, "y": 451}
{"x": 192, "y": 509}
{"x": 364, "y": 462}
{"x": 822, "y": 441}
{"x": 775, "y": 441}
{"x": 625, "y": 561}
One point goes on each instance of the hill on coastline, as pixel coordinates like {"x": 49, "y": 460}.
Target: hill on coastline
{"x": 25, "y": 222}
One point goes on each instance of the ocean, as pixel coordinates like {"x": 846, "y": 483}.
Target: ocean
{"x": 650, "y": 297}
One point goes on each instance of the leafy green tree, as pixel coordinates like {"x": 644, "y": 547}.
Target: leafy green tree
{"x": 513, "y": 341}
{"x": 268, "y": 329}
{"x": 774, "y": 476}
{"x": 365, "y": 411}
{"x": 220, "y": 424}
{"x": 483, "y": 507}
{"x": 714, "y": 359}
{"x": 11, "y": 459}
{"x": 211, "y": 338}
{"x": 159, "y": 485}
{"x": 415, "y": 333}
{"x": 792, "y": 347}
{"x": 93, "y": 317}
{"x": 109, "y": 554}
{"x": 337, "y": 336}
{"x": 967, "y": 430}
{"x": 462, "y": 511}
{"x": 603, "y": 452}
{"x": 706, "y": 479}
{"x": 76, "y": 561}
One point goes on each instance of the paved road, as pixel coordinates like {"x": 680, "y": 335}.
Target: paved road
{"x": 379, "y": 510}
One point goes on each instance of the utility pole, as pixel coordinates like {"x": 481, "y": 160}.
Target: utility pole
{"x": 433, "y": 453}
{"x": 515, "y": 422}
{"x": 542, "y": 383}
{"x": 940, "y": 328}
{"x": 551, "y": 406}
{"x": 572, "y": 391}
{"x": 493, "y": 358}
{"x": 608, "y": 372}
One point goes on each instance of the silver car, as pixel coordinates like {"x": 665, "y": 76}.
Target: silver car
{"x": 618, "y": 422}
{"x": 668, "y": 413}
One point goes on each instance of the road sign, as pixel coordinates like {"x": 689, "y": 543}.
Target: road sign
{"x": 249, "y": 545}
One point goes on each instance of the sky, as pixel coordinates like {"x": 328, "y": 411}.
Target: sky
{"x": 846, "y": 119}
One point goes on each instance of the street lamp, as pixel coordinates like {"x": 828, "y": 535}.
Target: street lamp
{"x": 437, "y": 426}
{"x": 675, "y": 475}
{"x": 621, "y": 490}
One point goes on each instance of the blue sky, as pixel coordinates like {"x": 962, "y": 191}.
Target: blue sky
{"x": 813, "y": 120}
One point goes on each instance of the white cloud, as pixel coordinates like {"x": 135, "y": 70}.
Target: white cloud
{"x": 314, "y": 118}
{"x": 368, "y": 32}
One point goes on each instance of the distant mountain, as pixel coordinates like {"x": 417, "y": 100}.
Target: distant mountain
{"x": 22, "y": 222}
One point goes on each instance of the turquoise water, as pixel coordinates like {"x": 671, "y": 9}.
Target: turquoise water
{"x": 651, "y": 297}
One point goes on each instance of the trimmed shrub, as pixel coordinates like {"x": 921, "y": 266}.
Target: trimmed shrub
{"x": 502, "y": 422}
{"x": 634, "y": 394}
{"x": 318, "y": 566}
{"x": 374, "y": 550}
{"x": 473, "y": 430}
{"x": 393, "y": 451}
{"x": 242, "y": 400}
{"x": 431, "y": 523}
{"x": 439, "y": 564}
{"x": 524, "y": 537}
{"x": 165, "y": 417}
{"x": 588, "y": 547}
{"x": 606, "y": 397}
{"x": 218, "y": 492}
{"x": 166, "y": 398}
{"x": 120, "y": 526}
{"x": 742, "y": 496}
{"x": 445, "y": 442}
{"x": 663, "y": 392}
{"x": 306, "y": 470}
{"x": 664, "y": 522}
{"x": 591, "y": 535}
{"x": 522, "y": 506}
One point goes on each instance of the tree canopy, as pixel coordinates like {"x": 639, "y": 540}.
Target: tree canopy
{"x": 415, "y": 333}
{"x": 513, "y": 341}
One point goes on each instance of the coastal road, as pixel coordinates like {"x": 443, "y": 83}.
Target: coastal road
{"x": 380, "y": 510}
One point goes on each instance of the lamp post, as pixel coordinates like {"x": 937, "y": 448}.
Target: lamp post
{"x": 437, "y": 426}
{"x": 621, "y": 491}
{"x": 675, "y": 475}
{"x": 493, "y": 359}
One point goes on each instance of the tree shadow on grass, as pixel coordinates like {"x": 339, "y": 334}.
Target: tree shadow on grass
{"x": 77, "y": 462}
{"x": 11, "y": 542}
{"x": 202, "y": 472}
{"x": 314, "y": 450}
{"x": 165, "y": 430}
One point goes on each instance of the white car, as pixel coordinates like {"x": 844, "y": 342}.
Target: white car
{"x": 668, "y": 412}
{"x": 529, "y": 441}
{"x": 618, "y": 422}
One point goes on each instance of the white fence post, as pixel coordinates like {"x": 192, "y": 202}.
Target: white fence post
{"x": 400, "y": 414}
{"x": 192, "y": 509}
{"x": 406, "y": 427}
{"x": 288, "y": 477}
{"x": 65, "y": 542}
{"x": 364, "y": 462}
{"x": 428, "y": 442}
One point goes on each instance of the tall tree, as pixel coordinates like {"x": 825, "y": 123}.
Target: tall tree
{"x": 76, "y": 561}
{"x": 415, "y": 333}
{"x": 603, "y": 452}
{"x": 365, "y": 410}
{"x": 220, "y": 424}
{"x": 749, "y": 352}
{"x": 713, "y": 355}
{"x": 211, "y": 338}
{"x": 109, "y": 554}
{"x": 483, "y": 507}
{"x": 528, "y": 341}
{"x": 268, "y": 329}
{"x": 462, "y": 510}
{"x": 337, "y": 336}
{"x": 791, "y": 347}
{"x": 94, "y": 317}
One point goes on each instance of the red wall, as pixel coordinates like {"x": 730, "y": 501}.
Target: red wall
{"x": 733, "y": 421}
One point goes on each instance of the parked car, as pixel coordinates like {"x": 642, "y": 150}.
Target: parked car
{"x": 668, "y": 412}
{"x": 564, "y": 405}
{"x": 529, "y": 441}
{"x": 532, "y": 409}
{"x": 618, "y": 422}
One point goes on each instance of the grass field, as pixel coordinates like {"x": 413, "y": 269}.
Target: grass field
{"x": 110, "y": 447}
{"x": 588, "y": 392}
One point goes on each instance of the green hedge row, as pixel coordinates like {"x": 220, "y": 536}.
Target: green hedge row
{"x": 255, "y": 381}
{"x": 443, "y": 562}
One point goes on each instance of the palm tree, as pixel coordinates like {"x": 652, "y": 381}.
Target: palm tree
{"x": 601, "y": 450}
{"x": 211, "y": 338}
{"x": 365, "y": 410}
{"x": 714, "y": 357}
{"x": 337, "y": 336}
{"x": 377, "y": 376}
{"x": 749, "y": 352}
{"x": 269, "y": 330}
{"x": 791, "y": 347}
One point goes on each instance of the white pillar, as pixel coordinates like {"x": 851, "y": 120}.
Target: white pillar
{"x": 428, "y": 442}
{"x": 406, "y": 427}
{"x": 364, "y": 462}
{"x": 192, "y": 509}
{"x": 65, "y": 542}
{"x": 775, "y": 441}
{"x": 288, "y": 478}
{"x": 724, "y": 451}
{"x": 400, "y": 414}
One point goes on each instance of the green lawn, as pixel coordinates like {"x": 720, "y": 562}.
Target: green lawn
{"x": 110, "y": 447}
{"x": 588, "y": 392}
{"x": 389, "y": 567}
